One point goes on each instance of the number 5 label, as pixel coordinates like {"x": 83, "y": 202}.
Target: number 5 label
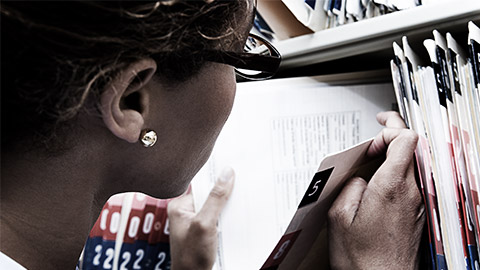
{"x": 316, "y": 186}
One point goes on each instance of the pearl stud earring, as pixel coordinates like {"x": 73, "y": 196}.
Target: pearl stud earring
{"x": 148, "y": 137}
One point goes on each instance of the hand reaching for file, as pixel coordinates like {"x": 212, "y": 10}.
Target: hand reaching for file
{"x": 379, "y": 225}
{"x": 193, "y": 236}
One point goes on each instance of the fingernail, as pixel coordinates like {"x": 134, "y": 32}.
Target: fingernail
{"x": 226, "y": 175}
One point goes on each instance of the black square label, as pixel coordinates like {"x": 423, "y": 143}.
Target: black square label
{"x": 316, "y": 186}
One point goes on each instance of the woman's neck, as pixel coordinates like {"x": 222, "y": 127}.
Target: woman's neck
{"x": 48, "y": 208}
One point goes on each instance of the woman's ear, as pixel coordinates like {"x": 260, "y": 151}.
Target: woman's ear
{"x": 124, "y": 101}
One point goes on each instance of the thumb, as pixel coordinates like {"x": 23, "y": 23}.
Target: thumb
{"x": 218, "y": 197}
{"x": 180, "y": 208}
{"x": 391, "y": 120}
{"x": 345, "y": 206}
{"x": 183, "y": 202}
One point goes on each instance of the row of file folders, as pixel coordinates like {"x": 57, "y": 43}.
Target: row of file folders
{"x": 132, "y": 232}
{"x": 440, "y": 100}
{"x": 278, "y": 20}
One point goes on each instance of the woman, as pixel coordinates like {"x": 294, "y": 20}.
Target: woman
{"x": 84, "y": 84}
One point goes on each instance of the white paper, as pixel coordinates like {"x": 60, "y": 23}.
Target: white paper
{"x": 275, "y": 138}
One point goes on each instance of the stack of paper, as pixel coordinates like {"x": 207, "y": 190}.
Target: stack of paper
{"x": 440, "y": 101}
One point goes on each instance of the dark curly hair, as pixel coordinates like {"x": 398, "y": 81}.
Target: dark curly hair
{"x": 56, "y": 55}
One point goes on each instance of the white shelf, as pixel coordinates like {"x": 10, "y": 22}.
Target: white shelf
{"x": 375, "y": 34}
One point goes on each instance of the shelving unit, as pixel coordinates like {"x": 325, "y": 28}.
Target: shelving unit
{"x": 377, "y": 34}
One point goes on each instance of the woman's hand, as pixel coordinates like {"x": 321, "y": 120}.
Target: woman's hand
{"x": 379, "y": 225}
{"x": 193, "y": 236}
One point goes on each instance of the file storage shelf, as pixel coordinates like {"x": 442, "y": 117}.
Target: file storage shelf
{"x": 378, "y": 33}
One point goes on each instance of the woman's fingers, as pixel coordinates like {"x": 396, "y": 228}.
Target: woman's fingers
{"x": 381, "y": 142}
{"x": 378, "y": 225}
{"x": 193, "y": 236}
{"x": 183, "y": 202}
{"x": 394, "y": 126}
{"x": 345, "y": 206}
{"x": 391, "y": 119}
{"x": 218, "y": 197}
{"x": 395, "y": 179}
